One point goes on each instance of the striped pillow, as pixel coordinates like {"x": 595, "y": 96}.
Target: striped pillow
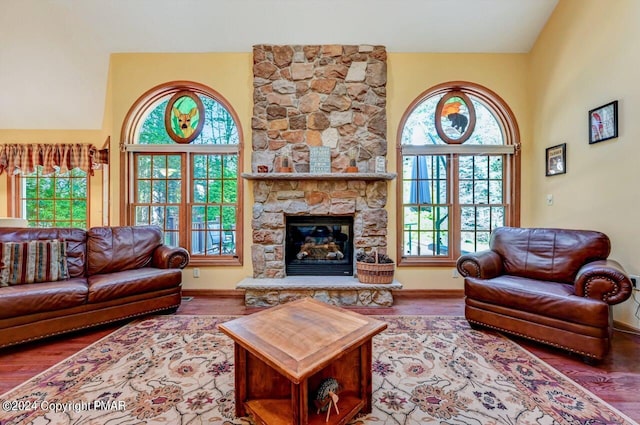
{"x": 33, "y": 261}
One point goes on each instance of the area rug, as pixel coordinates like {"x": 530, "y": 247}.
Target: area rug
{"x": 426, "y": 370}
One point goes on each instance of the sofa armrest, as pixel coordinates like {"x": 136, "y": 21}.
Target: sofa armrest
{"x": 166, "y": 257}
{"x": 603, "y": 280}
{"x": 482, "y": 264}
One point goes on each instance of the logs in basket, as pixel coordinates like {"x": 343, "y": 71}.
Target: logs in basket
{"x": 374, "y": 268}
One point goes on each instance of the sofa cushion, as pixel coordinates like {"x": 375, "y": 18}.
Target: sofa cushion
{"x": 20, "y": 300}
{"x": 548, "y": 254}
{"x": 33, "y": 262}
{"x": 550, "y": 299}
{"x": 114, "y": 249}
{"x": 105, "y": 287}
{"x": 75, "y": 238}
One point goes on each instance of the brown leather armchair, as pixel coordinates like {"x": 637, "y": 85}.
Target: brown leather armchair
{"x": 554, "y": 286}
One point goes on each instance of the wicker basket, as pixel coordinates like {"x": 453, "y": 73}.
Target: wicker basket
{"x": 374, "y": 272}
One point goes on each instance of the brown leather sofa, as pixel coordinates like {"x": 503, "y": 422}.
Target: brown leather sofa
{"x": 115, "y": 273}
{"x": 554, "y": 286}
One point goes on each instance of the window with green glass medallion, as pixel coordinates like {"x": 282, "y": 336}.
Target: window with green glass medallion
{"x": 191, "y": 190}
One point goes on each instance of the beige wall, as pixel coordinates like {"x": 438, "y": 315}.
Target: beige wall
{"x": 588, "y": 55}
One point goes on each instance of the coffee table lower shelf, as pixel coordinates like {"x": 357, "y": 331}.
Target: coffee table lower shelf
{"x": 278, "y": 411}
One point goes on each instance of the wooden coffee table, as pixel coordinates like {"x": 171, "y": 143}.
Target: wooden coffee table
{"x": 283, "y": 354}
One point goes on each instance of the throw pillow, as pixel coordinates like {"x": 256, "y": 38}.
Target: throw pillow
{"x": 33, "y": 262}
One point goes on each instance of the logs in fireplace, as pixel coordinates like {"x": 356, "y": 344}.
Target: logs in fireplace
{"x": 319, "y": 246}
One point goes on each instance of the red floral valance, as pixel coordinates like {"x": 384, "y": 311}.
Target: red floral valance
{"x": 24, "y": 158}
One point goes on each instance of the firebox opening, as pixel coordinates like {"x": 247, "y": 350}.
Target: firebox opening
{"x": 319, "y": 246}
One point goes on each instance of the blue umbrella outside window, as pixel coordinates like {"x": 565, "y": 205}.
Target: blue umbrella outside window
{"x": 419, "y": 191}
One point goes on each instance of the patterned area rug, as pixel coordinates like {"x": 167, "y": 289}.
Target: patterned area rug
{"x": 426, "y": 370}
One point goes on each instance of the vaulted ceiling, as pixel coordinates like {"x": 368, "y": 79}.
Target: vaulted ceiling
{"x": 56, "y": 52}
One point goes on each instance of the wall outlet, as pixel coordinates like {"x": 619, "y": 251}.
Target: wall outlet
{"x": 635, "y": 280}
{"x": 196, "y": 272}
{"x": 455, "y": 274}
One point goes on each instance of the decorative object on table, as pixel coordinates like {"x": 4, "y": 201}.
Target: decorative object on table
{"x": 603, "y": 122}
{"x": 556, "y": 160}
{"x": 327, "y": 396}
{"x": 286, "y": 164}
{"x": 374, "y": 267}
{"x": 319, "y": 159}
{"x": 263, "y": 169}
{"x": 353, "y": 158}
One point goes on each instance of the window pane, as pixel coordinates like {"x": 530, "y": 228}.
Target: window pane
{"x": 52, "y": 201}
{"x": 230, "y": 170}
{"x": 214, "y": 167}
{"x": 31, "y": 211}
{"x": 144, "y": 166}
{"x": 481, "y": 192}
{"x": 495, "y": 192}
{"x": 199, "y": 167}
{"x": 497, "y": 217}
{"x": 159, "y": 166}
{"x": 480, "y": 167}
{"x": 200, "y": 191}
{"x": 495, "y": 167}
{"x": 157, "y": 216}
{"x": 174, "y": 191}
{"x": 142, "y": 216}
{"x": 159, "y": 192}
{"x": 63, "y": 189}
{"x": 214, "y": 192}
{"x": 230, "y": 191}
{"x": 466, "y": 192}
{"x": 174, "y": 170}
{"x": 144, "y": 191}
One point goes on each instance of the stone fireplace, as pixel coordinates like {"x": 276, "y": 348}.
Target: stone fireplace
{"x": 332, "y": 96}
{"x": 275, "y": 200}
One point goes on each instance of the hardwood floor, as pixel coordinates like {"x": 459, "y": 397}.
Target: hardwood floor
{"x": 615, "y": 380}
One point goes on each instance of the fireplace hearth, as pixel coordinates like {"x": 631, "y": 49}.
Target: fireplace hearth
{"x": 319, "y": 246}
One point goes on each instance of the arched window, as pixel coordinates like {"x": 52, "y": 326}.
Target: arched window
{"x": 460, "y": 171}
{"x": 182, "y": 144}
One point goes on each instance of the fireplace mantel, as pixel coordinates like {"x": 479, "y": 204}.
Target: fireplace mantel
{"x": 319, "y": 176}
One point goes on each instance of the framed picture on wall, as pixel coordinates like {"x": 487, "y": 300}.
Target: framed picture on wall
{"x": 556, "y": 160}
{"x": 603, "y": 122}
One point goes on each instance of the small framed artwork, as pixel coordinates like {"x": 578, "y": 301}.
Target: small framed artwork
{"x": 603, "y": 122}
{"x": 319, "y": 159}
{"x": 556, "y": 160}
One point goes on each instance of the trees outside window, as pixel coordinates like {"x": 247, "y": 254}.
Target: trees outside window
{"x": 54, "y": 200}
{"x": 460, "y": 181}
{"x": 191, "y": 190}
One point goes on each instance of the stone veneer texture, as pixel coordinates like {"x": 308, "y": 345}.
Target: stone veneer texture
{"x": 330, "y": 95}
{"x": 321, "y": 95}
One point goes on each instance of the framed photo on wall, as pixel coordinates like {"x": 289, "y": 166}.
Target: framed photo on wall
{"x": 603, "y": 122}
{"x": 556, "y": 160}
